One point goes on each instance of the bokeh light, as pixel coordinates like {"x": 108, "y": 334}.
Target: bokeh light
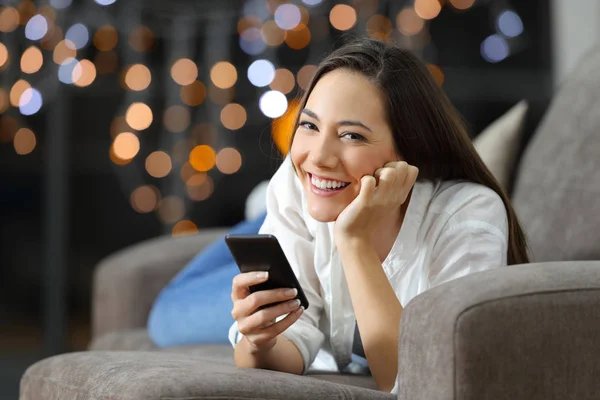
{"x": 118, "y": 125}
{"x": 78, "y": 35}
{"x": 84, "y": 73}
{"x": 27, "y": 10}
{"x": 30, "y": 102}
{"x": 31, "y": 60}
{"x": 221, "y": 97}
{"x": 462, "y": 4}
{"x": 223, "y": 75}
{"x": 158, "y": 164}
{"x": 510, "y": 24}
{"x": 272, "y": 34}
{"x": 273, "y": 103}
{"x": 284, "y": 81}
{"x": 261, "y": 73}
{"x": 50, "y": 15}
{"x": 184, "y": 228}
{"x": 193, "y": 94}
{"x": 171, "y": 209}
{"x": 287, "y": 16}
{"x": 24, "y": 141}
{"x": 60, "y": 4}
{"x": 17, "y": 90}
{"x": 298, "y": 38}
{"x": 247, "y": 22}
{"x": 283, "y": 127}
{"x": 141, "y": 39}
{"x": 379, "y": 27}
{"x": 233, "y": 116}
{"x": 437, "y": 73}
{"x": 137, "y": 77}
{"x": 105, "y": 2}
{"x": 201, "y": 192}
{"x": 106, "y": 38}
{"x": 229, "y": 160}
{"x": 304, "y": 75}
{"x": 408, "y": 22}
{"x": 138, "y": 116}
{"x": 36, "y": 27}
{"x": 184, "y": 71}
{"x": 9, "y": 19}
{"x": 52, "y": 39}
{"x": 251, "y": 41}
{"x": 67, "y": 72}
{"x": 494, "y": 48}
{"x": 342, "y": 17}
{"x": 106, "y": 62}
{"x": 202, "y": 158}
{"x": 176, "y": 118}
{"x": 63, "y": 52}
{"x": 4, "y": 100}
{"x": 4, "y": 58}
{"x": 428, "y": 9}
{"x": 126, "y": 145}
{"x": 312, "y": 2}
{"x": 8, "y": 128}
{"x": 145, "y": 199}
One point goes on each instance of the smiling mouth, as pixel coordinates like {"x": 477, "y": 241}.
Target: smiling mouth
{"x": 327, "y": 185}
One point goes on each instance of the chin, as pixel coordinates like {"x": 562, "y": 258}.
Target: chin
{"x": 323, "y": 215}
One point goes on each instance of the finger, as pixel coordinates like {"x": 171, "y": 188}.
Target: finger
{"x": 265, "y": 297}
{"x": 411, "y": 175}
{"x": 279, "y": 327}
{"x": 367, "y": 187}
{"x": 241, "y": 283}
{"x": 266, "y": 317}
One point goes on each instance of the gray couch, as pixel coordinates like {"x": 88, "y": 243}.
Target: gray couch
{"x": 520, "y": 333}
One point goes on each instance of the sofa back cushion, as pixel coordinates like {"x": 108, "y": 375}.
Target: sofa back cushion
{"x": 557, "y": 186}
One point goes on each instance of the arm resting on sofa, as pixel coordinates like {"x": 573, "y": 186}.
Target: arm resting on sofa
{"x": 127, "y": 283}
{"x": 520, "y": 332}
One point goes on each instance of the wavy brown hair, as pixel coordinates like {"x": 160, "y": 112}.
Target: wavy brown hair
{"x": 428, "y": 131}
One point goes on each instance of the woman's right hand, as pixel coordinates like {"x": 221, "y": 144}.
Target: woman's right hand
{"x": 258, "y": 325}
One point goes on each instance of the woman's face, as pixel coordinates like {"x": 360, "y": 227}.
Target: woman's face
{"x": 342, "y": 136}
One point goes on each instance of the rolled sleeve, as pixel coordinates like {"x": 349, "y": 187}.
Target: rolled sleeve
{"x": 285, "y": 221}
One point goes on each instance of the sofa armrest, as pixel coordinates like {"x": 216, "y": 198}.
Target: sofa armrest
{"x": 127, "y": 282}
{"x": 520, "y": 332}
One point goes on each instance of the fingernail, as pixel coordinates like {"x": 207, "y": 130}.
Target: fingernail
{"x": 294, "y": 304}
{"x": 262, "y": 275}
{"x": 291, "y": 292}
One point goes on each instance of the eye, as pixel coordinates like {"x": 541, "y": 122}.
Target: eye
{"x": 355, "y": 137}
{"x": 307, "y": 125}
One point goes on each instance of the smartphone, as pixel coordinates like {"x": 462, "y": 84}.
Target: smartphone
{"x": 260, "y": 252}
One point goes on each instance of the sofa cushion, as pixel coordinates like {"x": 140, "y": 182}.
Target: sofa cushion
{"x": 498, "y": 144}
{"x": 558, "y": 184}
{"x": 163, "y": 375}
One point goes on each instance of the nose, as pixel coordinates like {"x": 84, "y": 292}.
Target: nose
{"x": 323, "y": 152}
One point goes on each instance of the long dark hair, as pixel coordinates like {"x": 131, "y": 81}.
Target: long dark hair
{"x": 428, "y": 131}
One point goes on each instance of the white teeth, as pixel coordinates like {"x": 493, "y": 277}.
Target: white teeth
{"x": 324, "y": 184}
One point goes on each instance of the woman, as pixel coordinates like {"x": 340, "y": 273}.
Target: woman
{"x": 382, "y": 197}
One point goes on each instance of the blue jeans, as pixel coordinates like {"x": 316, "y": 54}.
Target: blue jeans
{"x": 196, "y": 305}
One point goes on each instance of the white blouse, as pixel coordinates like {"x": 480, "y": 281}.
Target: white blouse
{"x": 451, "y": 229}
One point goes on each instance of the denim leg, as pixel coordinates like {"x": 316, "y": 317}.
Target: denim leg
{"x": 196, "y": 305}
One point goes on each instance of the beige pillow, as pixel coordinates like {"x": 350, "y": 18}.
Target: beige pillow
{"x": 498, "y": 144}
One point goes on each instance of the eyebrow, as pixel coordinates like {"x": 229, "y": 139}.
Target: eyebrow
{"x": 340, "y": 123}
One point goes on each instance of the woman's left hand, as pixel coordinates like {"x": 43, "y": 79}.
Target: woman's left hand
{"x": 380, "y": 195}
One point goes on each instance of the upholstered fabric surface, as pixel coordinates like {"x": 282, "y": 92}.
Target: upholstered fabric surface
{"x": 127, "y": 282}
{"x": 526, "y": 332}
{"x": 498, "y": 144}
{"x": 557, "y": 188}
{"x": 113, "y": 375}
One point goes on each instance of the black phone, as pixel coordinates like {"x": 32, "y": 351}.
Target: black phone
{"x": 260, "y": 252}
